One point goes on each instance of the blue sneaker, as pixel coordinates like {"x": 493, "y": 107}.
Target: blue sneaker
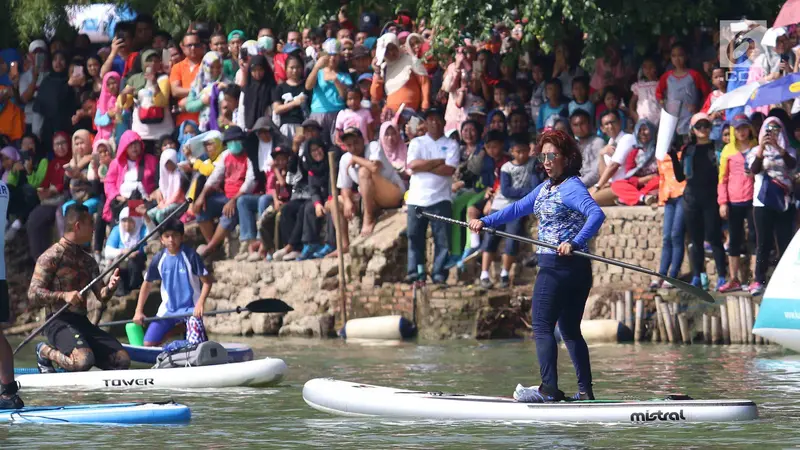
{"x": 704, "y": 281}
{"x": 583, "y": 396}
{"x": 307, "y": 252}
{"x": 466, "y": 256}
{"x": 534, "y": 394}
{"x": 45, "y": 365}
{"x": 695, "y": 281}
{"x": 721, "y": 282}
{"x": 452, "y": 261}
{"x": 324, "y": 251}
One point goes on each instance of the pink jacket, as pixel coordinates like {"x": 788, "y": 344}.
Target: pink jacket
{"x": 736, "y": 185}
{"x": 118, "y": 167}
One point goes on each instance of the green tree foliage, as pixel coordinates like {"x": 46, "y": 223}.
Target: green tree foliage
{"x": 640, "y": 22}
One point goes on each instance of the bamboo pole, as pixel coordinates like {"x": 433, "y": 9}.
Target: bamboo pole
{"x": 621, "y": 311}
{"x": 629, "y": 309}
{"x": 683, "y": 324}
{"x": 743, "y": 320}
{"x": 724, "y": 324}
{"x": 338, "y": 226}
{"x": 637, "y": 329}
{"x": 748, "y": 311}
{"x": 667, "y": 318}
{"x": 662, "y": 326}
{"x": 706, "y": 328}
{"x": 716, "y": 330}
{"x": 756, "y": 308}
{"x": 733, "y": 319}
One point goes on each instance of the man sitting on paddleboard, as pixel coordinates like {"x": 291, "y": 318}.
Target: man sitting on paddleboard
{"x": 8, "y": 387}
{"x": 73, "y": 342}
{"x": 185, "y": 284}
{"x": 568, "y": 217}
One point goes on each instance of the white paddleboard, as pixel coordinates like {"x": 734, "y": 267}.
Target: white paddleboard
{"x": 262, "y": 372}
{"x": 363, "y": 400}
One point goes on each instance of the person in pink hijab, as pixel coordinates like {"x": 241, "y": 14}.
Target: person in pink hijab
{"x": 131, "y": 175}
{"x": 104, "y": 118}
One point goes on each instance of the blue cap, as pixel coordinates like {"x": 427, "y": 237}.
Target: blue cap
{"x": 364, "y": 76}
{"x": 290, "y": 47}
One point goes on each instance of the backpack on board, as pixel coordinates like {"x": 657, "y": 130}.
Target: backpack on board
{"x": 207, "y": 353}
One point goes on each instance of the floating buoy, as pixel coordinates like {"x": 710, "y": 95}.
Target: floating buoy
{"x": 381, "y": 327}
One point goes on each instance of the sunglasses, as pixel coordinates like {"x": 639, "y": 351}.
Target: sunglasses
{"x": 703, "y": 124}
{"x": 547, "y": 157}
{"x": 773, "y": 128}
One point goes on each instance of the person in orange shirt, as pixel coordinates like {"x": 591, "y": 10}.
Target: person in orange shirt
{"x": 399, "y": 78}
{"x": 12, "y": 119}
{"x": 670, "y": 196}
{"x": 183, "y": 74}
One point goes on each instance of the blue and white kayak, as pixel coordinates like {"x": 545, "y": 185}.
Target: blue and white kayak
{"x": 362, "y": 400}
{"x": 260, "y": 372}
{"x": 779, "y": 314}
{"x": 113, "y": 413}
{"x": 236, "y": 352}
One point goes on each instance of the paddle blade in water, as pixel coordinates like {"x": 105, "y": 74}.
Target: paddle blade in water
{"x": 268, "y": 305}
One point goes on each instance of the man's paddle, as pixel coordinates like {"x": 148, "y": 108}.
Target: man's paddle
{"x": 682, "y": 285}
{"x": 177, "y": 213}
{"x": 264, "y": 305}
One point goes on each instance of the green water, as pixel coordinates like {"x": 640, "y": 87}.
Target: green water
{"x": 278, "y": 417}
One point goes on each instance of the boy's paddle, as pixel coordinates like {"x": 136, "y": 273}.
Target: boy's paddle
{"x": 177, "y": 213}
{"x": 682, "y": 285}
{"x": 264, "y": 305}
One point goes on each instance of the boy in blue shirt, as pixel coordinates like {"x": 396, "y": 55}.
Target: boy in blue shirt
{"x": 185, "y": 285}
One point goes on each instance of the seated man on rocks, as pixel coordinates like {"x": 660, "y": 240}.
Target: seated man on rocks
{"x": 365, "y": 170}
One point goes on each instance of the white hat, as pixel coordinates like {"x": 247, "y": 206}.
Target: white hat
{"x": 38, "y": 44}
{"x": 383, "y": 42}
{"x": 770, "y": 38}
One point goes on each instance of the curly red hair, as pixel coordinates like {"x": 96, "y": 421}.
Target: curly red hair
{"x": 567, "y": 147}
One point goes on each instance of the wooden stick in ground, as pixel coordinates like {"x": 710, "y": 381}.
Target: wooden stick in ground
{"x": 733, "y": 319}
{"x": 338, "y": 226}
{"x": 743, "y": 320}
{"x": 637, "y": 325}
{"x": 662, "y": 326}
{"x": 666, "y": 320}
{"x": 724, "y": 324}
{"x": 706, "y": 329}
{"x": 756, "y": 307}
{"x": 748, "y": 312}
{"x": 683, "y": 324}
{"x": 716, "y": 330}
{"x": 629, "y": 309}
{"x": 621, "y": 311}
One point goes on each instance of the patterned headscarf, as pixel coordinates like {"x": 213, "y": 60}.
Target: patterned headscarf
{"x": 204, "y": 78}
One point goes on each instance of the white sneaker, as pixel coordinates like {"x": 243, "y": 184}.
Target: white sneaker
{"x": 291, "y": 256}
{"x": 278, "y": 256}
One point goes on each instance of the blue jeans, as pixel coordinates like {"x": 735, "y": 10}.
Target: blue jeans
{"x": 246, "y": 206}
{"x": 559, "y": 296}
{"x": 418, "y": 229}
{"x": 214, "y": 204}
{"x": 490, "y": 242}
{"x": 672, "y": 238}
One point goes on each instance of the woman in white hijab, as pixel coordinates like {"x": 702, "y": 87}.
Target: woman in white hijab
{"x": 171, "y": 187}
{"x": 124, "y": 237}
{"x": 399, "y": 77}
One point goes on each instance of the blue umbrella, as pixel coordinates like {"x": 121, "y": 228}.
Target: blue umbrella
{"x": 776, "y": 92}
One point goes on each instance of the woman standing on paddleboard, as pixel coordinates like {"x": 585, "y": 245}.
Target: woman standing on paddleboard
{"x": 568, "y": 217}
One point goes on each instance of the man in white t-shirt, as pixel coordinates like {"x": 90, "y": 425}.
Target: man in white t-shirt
{"x": 613, "y": 156}
{"x": 8, "y": 387}
{"x": 432, "y": 160}
{"x": 365, "y": 168}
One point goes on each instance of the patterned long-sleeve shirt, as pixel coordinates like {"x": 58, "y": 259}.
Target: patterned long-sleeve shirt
{"x": 63, "y": 268}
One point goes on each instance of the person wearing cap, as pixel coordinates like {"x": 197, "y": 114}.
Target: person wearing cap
{"x": 235, "y": 40}
{"x": 399, "y": 78}
{"x": 328, "y": 87}
{"x": 432, "y": 159}
{"x": 148, "y": 93}
{"x": 735, "y": 198}
{"x": 289, "y": 99}
{"x": 366, "y": 169}
{"x": 360, "y": 63}
{"x": 230, "y": 180}
{"x": 260, "y": 146}
{"x": 37, "y": 61}
{"x": 697, "y": 165}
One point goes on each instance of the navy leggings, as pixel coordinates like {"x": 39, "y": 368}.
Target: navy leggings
{"x": 559, "y": 295}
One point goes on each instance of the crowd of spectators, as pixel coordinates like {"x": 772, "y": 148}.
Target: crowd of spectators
{"x": 243, "y": 126}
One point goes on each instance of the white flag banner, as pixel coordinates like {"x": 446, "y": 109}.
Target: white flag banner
{"x": 666, "y": 131}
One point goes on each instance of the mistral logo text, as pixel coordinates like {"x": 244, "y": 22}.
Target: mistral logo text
{"x": 648, "y": 416}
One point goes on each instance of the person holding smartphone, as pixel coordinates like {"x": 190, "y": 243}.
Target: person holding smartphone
{"x": 29, "y": 82}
